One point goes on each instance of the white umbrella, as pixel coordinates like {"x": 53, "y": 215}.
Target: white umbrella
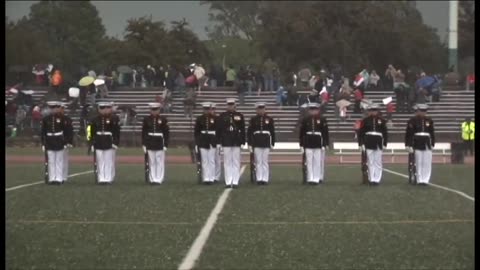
{"x": 73, "y": 92}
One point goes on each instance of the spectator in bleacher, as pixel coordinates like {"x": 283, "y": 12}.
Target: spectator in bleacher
{"x": 324, "y": 97}
{"x": 150, "y": 76}
{"x": 400, "y": 89}
{"x": 134, "y": 78}
{"x": 471, "y": 81}
{"x": 436, "y": 88}
{"x": 411, "y": 98}
{"x": 171, "y": 76}
{"x": 231, "y": 76}
{"x": 179, "y": 84}
{"x": 276, "y": 78}
{"x": 304, "y": 76}
{"x": 249, "y": 79}
{"x": 468, "y": 135}
{"x": 314, "y": 96}
{"x": 268, "y": 69}
{"x": 189, "y": 102}
{"x": 36, "y": 120}
{"x": 373, "y": 81}
{"x": 242, "y": 84}
{"x": 389, "y": 77}
{"x": 390, "y": 111}
{"x": 160, "y": 77}
{"x": 57, "y": 81}
{"x": 213, "y": 75}
{"x": 358, "y": 99}
{"x": 199, "y": 74}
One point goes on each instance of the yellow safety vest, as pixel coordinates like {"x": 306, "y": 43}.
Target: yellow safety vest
{"x": 89, "y": 132}
{"x": 468, "y": 131}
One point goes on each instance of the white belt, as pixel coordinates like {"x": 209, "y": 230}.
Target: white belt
{"x": 314, "y": 133}
{"x": 155, "y": 134}
{"x": 208, "y": 132}
{"x": 374, "y": 133}
{"x": 104, "y": 133}
{"x": 262, "y": 132}
{"x": 422, "y": 134}
{"x": 55, "y": 134}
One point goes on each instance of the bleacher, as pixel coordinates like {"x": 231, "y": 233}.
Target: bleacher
{"x": 455, "y": 104}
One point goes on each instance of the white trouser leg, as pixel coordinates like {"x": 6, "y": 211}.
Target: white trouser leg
{"x": 309, "y": 156}
{"x": 205, "y": 165}
{"x": 218, "y": 164}
{"x": 160, "y": 162}
{"x": 55, "y": 166}
{"x": 371, "y": 164}
{"x": 419, "y": 164}
{"x": 108, "y": 157}
{"x": 211, "y": 155}
{"x": 152, "y": 165}
{"x": 112, "y": 153}
{"x": 265, "y": 165}
{"x": 322, "y": 164}
{"x": 100, "y": 165}
{"x": 65, "y": 164}
{"x": 227, "y": 165}
{"x": 377, "y": 165}
{"x": 257, "y": 153}
{"x": 236, "y": 165}
{"x": 316, "y": 165}
{"x": 427, "y": 166}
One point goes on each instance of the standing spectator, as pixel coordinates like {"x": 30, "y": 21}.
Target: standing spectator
{"x": 389, "y": 75}
{"x": 199, "y": 74}
{"x": 325, "y": 97}
{"x": 400, "y": 89}
{"x": 411, "y": 98}
{"x": 57, "y": 81}
{"x": 390, "y": 111}
{"x": 436, "y": 89}
{"x": 373, "y": 80}
{"x": 231, "y": 76}
{"x": 242, "y": 85}
{"x": 171, "y": 76}
{"x": 276, "y": 78}
{"x": 358, "y": 99}
{"x": 150, "y": 76}
{"x": 160, "y": 77}
{"x": 268, "y": 68}
{"x": 134, "y": 78}
{"x": 213, "y": 75}
{"x": 179, "y": 84}
{"x": 249, "y": 79}
{"x": 468, "y": 135}
{"x": 189, "y": 102}
{"x": 366, "y": 78}
{"x": 304, "y": 76}
{"x": 259, "y": 81}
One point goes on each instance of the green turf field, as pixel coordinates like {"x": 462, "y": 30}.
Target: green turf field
{"x": 285, "y": 225}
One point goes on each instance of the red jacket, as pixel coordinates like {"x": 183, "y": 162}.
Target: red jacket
{"x": 358, "y": 95}
{"x": 390, "y": 107}
{"x": 325, "y": 97}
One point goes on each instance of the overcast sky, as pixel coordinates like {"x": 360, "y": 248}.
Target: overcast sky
{"x": 114, "y": 14}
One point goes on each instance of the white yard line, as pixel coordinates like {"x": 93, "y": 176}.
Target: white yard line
{"x": 196, "y": 249}
{"x": 434, "y": 185}
{"x": 40, "y": 182}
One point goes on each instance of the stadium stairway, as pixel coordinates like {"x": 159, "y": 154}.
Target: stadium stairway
{"x": 455, "y": 104}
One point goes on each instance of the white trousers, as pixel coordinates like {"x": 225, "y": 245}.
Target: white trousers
{"x": 156, "y": 160}
{"x": 315, "y": 164}
{"x": 65, "y": 164}
{"x": 55, "y": 165}
{"x": 261, "y": 163}
{"x": 106, "y": 165}
{"x": 218, "y": 165}
{"x": 375, "y": 165}
{"x": 231, "y": 163}
{"x": 208, "y": 163}
{"x": 423, "y": 161}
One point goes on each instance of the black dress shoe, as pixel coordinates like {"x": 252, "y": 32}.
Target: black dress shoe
{"x": 259, "y": 183}
{"x": 208, "y": 183}
{"x": 154, "y": 183}
{"x": 312, "y": 183}
{"x": 228, "y": 186}
{"x": 235, "y": 186}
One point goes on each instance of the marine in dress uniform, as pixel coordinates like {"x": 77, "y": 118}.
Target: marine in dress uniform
{"x": 65, "y": 151}
{"x": 314, "y": 140}
{"x": 205, "y": 142}
{"x": 372, "y": 137}
{"x": 57, "y": 135}
{"x": 105, "y": 137}
{"x": 230, "y": 136}
{"x": 420, "y": 138}
{"x": 261, "y": 138}
{"x": 155, "y": 138}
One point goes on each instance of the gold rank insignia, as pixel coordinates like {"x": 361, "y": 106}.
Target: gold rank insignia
{"x": 211, "y": 120}
{"x": 159, "y": 121}
{"x": 58, "y": 120}
{"x": 266, "y": 121}
{"x": 237, "y": 118}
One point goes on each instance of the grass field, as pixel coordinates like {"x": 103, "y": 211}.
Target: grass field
{"x": 285, "y": 225}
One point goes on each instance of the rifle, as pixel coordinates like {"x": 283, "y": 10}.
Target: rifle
{"x": 253, "y": 168}
{"x": 147, "y": 167}
{"x": 364, "y": 167}
{"x": 95, "y": 171}
{"x": 412, "y": 169}
{"x": 199, "y": 164}
{"x": 46, "y": 166}
{"x": 304, "y": 167}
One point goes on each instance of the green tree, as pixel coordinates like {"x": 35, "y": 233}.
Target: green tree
{"x": 466, "y": 29}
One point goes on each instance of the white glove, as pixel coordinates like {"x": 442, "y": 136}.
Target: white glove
{"x": 92, "y": 148}
{"x": 410, "y": 150}
{"x": 69, "y": 146}
{"x": 165, "y": 149}
{"x": 43, "y": 148}
{"x": 302, "y": 150}
{"x": 327, "y": 148}
{"x": 196, "y": 149}
{"x": 114, "y": 146}
{"x": 362, "y": 147}
{"x": 219, "y": 147}
{"x": 250, "y": 149}
{"x": 144, "y": 149}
